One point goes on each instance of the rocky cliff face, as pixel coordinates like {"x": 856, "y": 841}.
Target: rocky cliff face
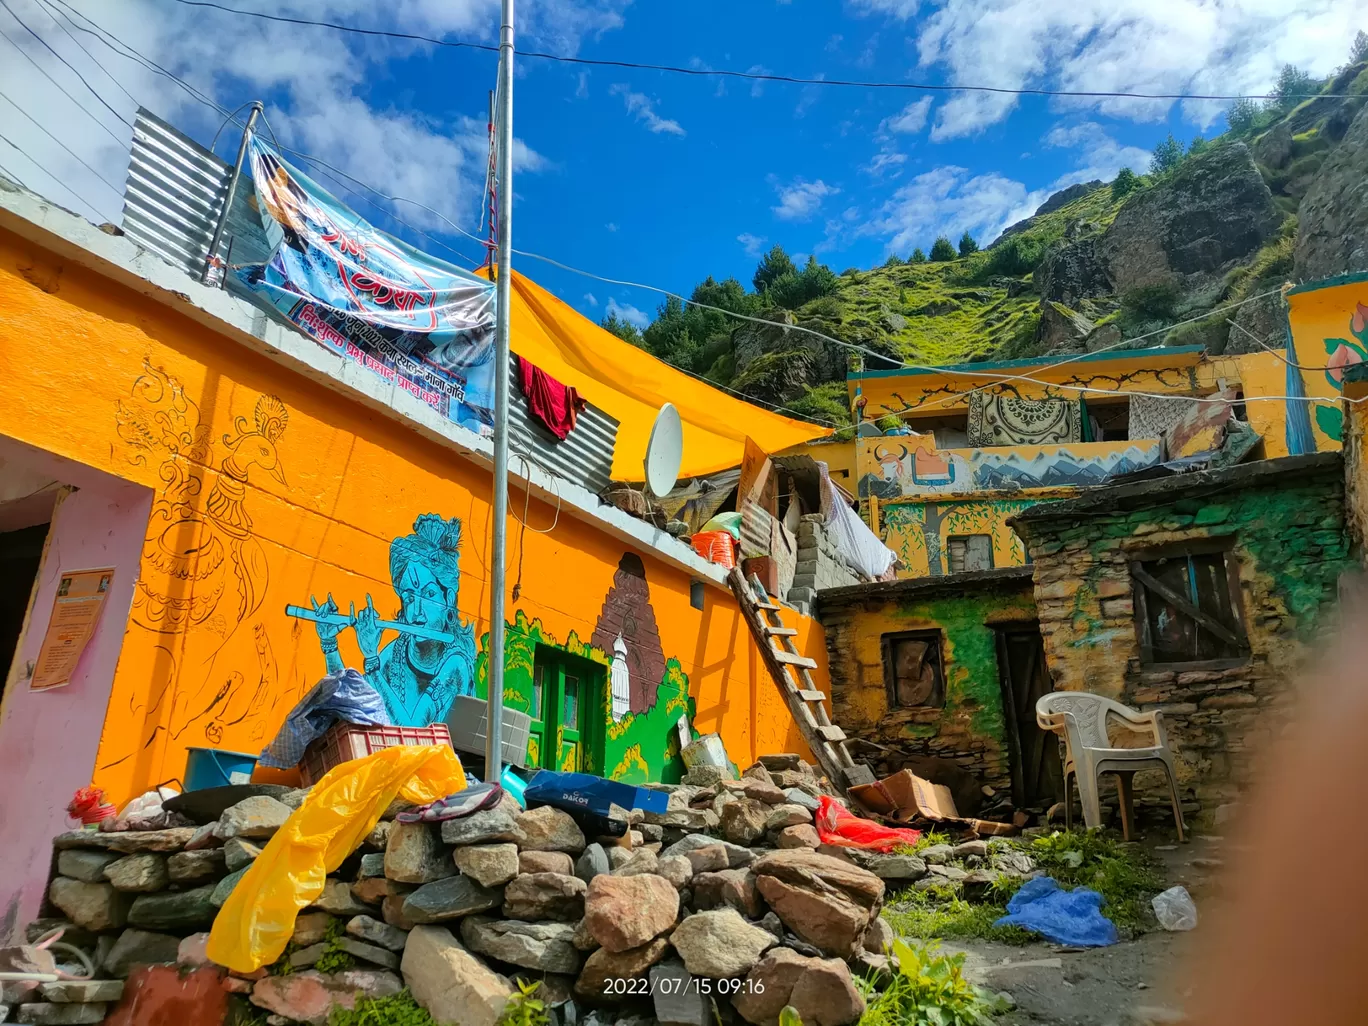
{"x": 1214, "y": 211}
{"x": 1333, "y": 216}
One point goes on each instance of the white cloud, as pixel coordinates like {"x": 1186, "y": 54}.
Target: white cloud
{"x": 949, "y": 201}
{"x": 758, "y": 69}
{"x": 643, "y": 108}
{"x": 800, "y": 200}
{"x": 582, "y": 86}
{"x": 807, "y": 96}
{"x": 591, "y": 299}
{"x": 1150, "y": 46}
{"x": 884, "y": 162}
{"x": 319, "y": 83}
{"x": 1102, "y": 156}
{"x": 754, "y": 245}
{"x": 611, "y": 226}
{"x": 912, "y": 118}
{"x": 900, "y": 9}
{"x": 627, "y": 312}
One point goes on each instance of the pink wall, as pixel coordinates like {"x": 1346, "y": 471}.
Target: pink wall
{"x": 48, "y": 739}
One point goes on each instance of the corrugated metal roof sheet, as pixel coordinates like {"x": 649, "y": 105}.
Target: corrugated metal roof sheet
{"x": 586, "y": 455}
{"x": 174, "y": 192}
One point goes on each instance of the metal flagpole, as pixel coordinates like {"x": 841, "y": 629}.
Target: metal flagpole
{"x": 211, "y": 261}
{"x": 502, "y": 289}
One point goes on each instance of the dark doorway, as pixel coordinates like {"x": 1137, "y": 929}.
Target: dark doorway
{"x": 20, "y": 553}
{"x": 1037, "y": 778}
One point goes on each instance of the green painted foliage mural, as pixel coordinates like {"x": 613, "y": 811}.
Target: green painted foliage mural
{"x": 640, "y": 747}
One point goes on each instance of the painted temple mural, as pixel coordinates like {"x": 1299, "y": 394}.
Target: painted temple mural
{"x": 431, "y": 659}
{"x": 204, "y": 572}
{"x": 221, "y": 667}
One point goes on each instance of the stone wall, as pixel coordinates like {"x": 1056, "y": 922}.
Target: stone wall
{"x": 721, "y": 883}
{"x": 1291, "y": 546}
{"x": 820, "y": 565}
{"x": 969, "y": 729}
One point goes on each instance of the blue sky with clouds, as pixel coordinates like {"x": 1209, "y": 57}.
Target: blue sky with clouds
{"x": 663, "y": 178}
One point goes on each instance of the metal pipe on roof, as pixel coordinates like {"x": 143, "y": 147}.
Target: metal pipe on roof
{"x": 211, "y": 260}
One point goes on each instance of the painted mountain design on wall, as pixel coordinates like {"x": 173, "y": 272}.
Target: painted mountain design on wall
{"x": 627, "y": 613}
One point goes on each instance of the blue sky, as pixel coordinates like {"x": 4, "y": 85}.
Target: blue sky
{"x": 663, "y": 178}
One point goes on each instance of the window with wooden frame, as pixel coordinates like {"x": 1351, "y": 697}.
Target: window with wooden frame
{"x": 1187, "y": 606}
{"x": 913, "y": 671}
{"x": 969, "y": 552}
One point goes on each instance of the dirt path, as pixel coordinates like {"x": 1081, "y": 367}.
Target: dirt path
{"x": 1134, "y": 983}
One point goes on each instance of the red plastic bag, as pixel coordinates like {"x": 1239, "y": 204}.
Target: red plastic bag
{"x": 836, "y": 826}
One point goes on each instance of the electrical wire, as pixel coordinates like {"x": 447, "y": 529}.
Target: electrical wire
{"x": 61, "y": 88}
{"x": 1262, "y": 343}
{"x": 751, "y": 76}
{"x": 44, "y": 6}
{"x": 230, "y": 116}
{"x": 27, "y": 156}
{"x": 117, "y": 191}
{"x": 1125, "y": 342}
{"x": 69, "y": 65}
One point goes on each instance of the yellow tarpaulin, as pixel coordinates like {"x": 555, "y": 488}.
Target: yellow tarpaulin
{"x": 256, "y": 921}
{"x": 630, "y": 385}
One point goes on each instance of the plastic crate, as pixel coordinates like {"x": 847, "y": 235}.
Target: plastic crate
{"x": 468, "y": 722}
{"x": 344, "y": 742}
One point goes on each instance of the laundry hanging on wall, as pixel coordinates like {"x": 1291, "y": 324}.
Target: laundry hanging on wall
{"x": 1153, "y": 416}
{"x": 553, "y": 405}
{"x": 996, "y": 419}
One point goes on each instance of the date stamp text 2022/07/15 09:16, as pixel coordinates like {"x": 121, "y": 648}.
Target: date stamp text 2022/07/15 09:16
{"x": 678, "y": 985}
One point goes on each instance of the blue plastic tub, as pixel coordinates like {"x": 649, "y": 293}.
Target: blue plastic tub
{"x": 214, "y": 767}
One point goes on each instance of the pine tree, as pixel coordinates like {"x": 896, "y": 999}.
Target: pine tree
{"x": 967, "y": 244}
{"x": 1242, "y": 115}
{"x": 942, "y": 249}
{"x": 1167, "y": 156}
{"x": 1125, "y": 183}
{"x": 624, "y": 330}
{"x": 917, "y": 257}
{"x": 773, "y": 264}
{"x": 1359, "y": 51}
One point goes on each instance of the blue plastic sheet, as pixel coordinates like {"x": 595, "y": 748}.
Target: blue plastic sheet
{"x": 1065, "y": 917}
{"x": 585, "y": 792}
{"x": 343, "y": 697}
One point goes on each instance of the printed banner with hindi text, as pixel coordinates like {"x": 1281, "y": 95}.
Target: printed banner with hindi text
{"x": 424, "y": 324}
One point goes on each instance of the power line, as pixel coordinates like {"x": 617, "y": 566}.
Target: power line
{"x": 69, "y": 65}
{"x": 751, "y": 76}
{"x": 81, "y": 46}
{"x": 27, "y": 156}
{"x": 1125, "y": 342}
{"x": 117, "y": 191}
{"x": 61, "y": 88}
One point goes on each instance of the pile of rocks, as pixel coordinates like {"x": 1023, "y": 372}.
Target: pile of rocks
{"x": 722, "y": 900}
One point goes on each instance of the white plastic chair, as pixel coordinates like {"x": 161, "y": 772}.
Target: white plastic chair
{"x": 1081, "y": 719}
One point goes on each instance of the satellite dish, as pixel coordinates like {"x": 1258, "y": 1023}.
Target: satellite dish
{"x": 664, "y": 452}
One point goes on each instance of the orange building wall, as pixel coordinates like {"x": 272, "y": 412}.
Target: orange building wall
{"x": 296, "y": 492}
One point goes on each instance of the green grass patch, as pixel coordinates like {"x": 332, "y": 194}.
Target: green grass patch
{"x": 397, "y": 1010}
{"x": 943, "y": 912}
{"x": 1124, "y": 874}
{"x": 929, "y": 989}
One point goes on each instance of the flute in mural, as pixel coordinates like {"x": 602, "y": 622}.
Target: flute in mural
{"x": 340, "y": 619}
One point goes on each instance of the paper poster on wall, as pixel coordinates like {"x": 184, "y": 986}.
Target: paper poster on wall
{"x": 75, "y": 612}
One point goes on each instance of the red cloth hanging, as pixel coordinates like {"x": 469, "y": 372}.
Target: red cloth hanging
{"x": 555, "y": 405}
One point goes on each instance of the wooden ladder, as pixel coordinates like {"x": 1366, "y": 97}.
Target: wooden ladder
{"x": 792, "y": 675}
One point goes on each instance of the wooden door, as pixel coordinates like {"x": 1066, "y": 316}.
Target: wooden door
{"x": 1037, "y": 776}
{"x": 566, "y": 691}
